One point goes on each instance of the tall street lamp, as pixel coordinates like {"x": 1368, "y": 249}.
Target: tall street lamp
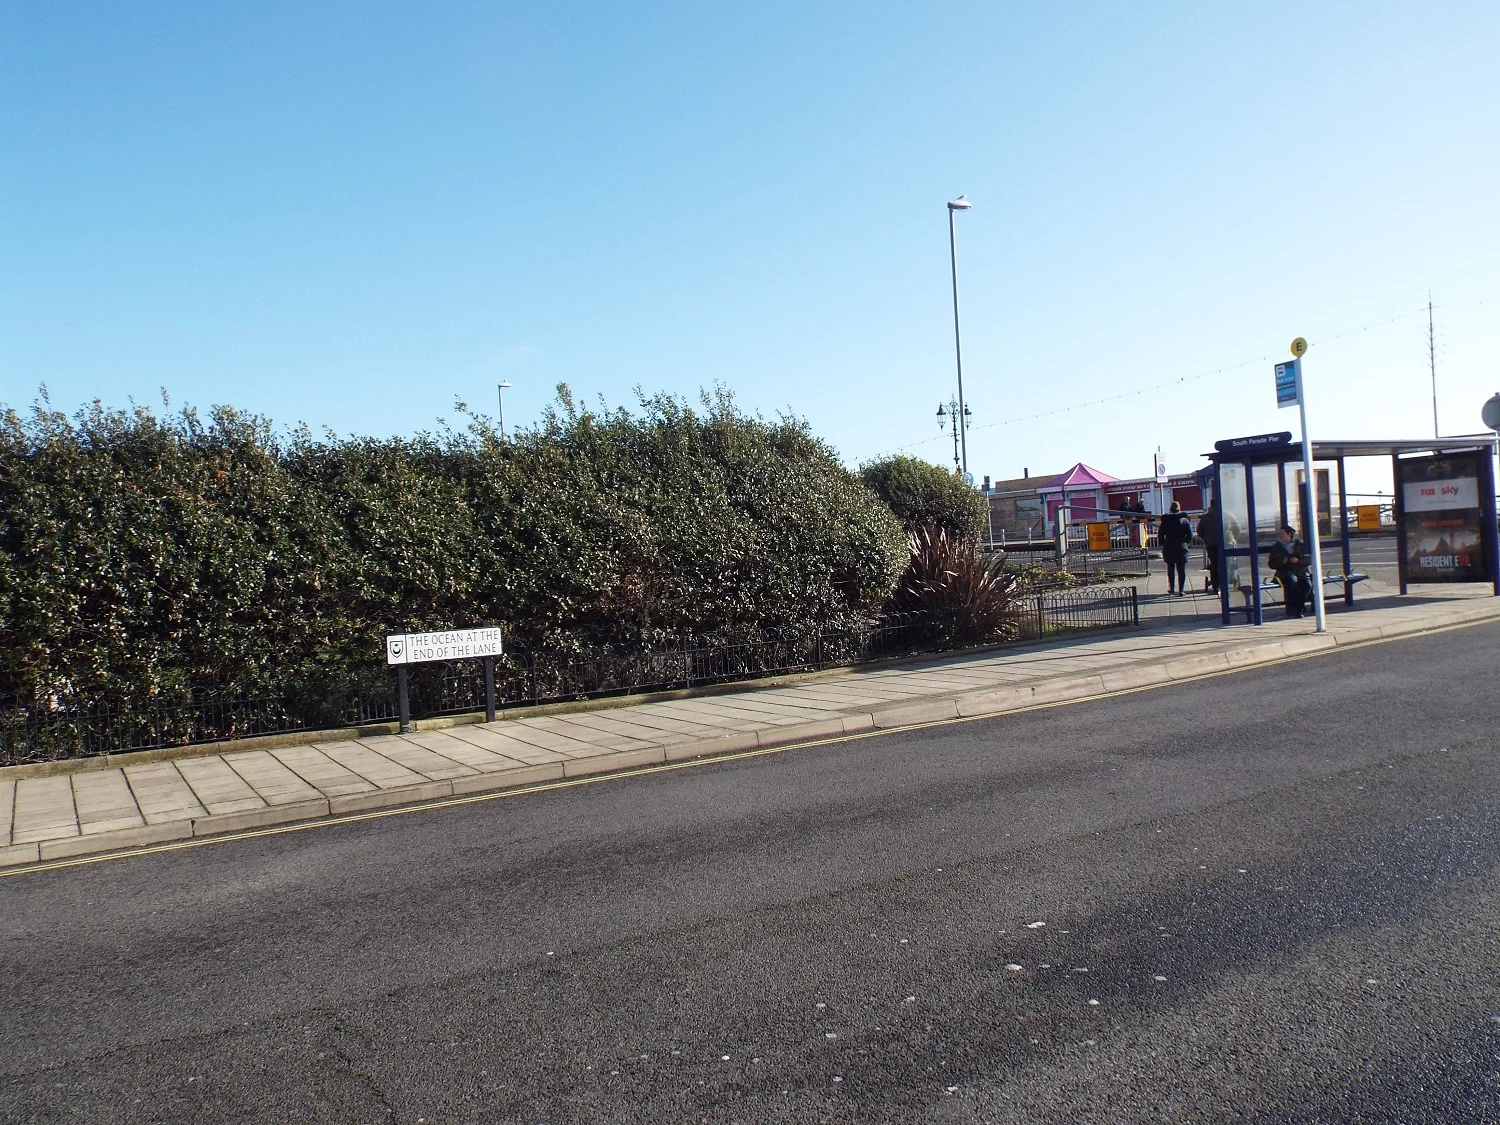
{"x": 962, "y": 414}
{"x": 500, "y": 393}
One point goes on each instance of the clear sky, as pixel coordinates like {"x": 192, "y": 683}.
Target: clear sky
{"x": 352, "y": 214}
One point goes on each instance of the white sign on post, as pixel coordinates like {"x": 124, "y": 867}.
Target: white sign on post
{"x": 455, "y": 644}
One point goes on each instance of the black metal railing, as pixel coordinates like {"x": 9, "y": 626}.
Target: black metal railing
{"x": 59, "y": 729}
{"x": 1073, "y": 610}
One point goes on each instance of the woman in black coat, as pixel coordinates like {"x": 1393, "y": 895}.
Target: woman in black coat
{"x": 1174, "y": 535}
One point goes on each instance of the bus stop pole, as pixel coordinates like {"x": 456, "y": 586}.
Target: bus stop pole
{"x": 1310, "y": 504}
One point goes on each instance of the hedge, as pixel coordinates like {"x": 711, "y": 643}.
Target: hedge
{"x": 143, "y": 554}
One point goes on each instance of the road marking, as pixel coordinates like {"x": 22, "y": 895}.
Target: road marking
{"x": 642, "y": 771}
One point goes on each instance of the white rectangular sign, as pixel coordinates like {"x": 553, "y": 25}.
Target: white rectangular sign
{"x": 455, "y": 644}
{"x": 1442, "y": 495}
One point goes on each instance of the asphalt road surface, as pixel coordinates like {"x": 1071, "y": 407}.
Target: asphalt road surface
{"x": 1272, "y": 896}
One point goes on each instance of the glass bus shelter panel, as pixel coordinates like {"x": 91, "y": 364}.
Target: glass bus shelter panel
{"x": 1323, "y": 473}
{"x": 1267, "y": 505}
{"x": 1235, "y": 505}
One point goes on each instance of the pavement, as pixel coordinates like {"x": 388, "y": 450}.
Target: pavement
{"x": 57, "y": 811}
{"x": 1272, "y": 896}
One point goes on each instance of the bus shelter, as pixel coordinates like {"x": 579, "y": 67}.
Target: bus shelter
{"x": 1444, "y": 507}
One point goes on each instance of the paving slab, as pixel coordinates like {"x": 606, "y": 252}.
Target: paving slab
{"x": 161, "y": 793}
{"x": 591, "y": 736}
{"x": 315, "y": 767}
{"x": 272, "y": 781}
{"x": 704, "y": 723}
{"x": 465, "y": 753}
{"x": 632, "y": 728}
{"x": 104, "y": 802}
{"x": 525, "y": 730}
{"x": 361, "y": 758}
{"x": 44, "y": 810}
{"x": 218, "y": 788}
{"x": 496, "y": 739}
{"x": 405, "y": 750}
{"x": 735, "y": 713}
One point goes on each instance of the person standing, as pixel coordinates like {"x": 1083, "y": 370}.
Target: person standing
{"x": 1288, "y": 559}
{"x": 1174, "y": 535}
{"x": 1208, "y": 531}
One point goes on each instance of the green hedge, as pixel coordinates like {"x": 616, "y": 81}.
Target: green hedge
{"x": 921, "y": 495}
{"x": 139, "y": 554}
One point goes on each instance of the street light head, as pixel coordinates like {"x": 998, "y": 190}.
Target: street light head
{"x": 960, "y": 204}
{"x": 505, "y": 384}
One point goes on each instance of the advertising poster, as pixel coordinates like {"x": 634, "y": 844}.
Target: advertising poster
{"x": 1441, "y": 518}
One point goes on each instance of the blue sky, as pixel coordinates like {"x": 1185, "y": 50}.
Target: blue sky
{"x": 352, "y": 214}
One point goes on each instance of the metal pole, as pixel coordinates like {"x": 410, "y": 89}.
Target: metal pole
{"x": 489, "y": 689}
{"x": 1254, "y": 613}
{"x": 1344, "y": 536}
{"x": 500, "y": 394}
{"x": 1432, "y": 363}
{"x": 1222, "y": 562}
{"x": 406, "y": 727}
{"x": 1398, "y": 514}
{"x": 1311, "y": 504}
{"x": 958, "y": 349}
{"x": 956, "y": 424}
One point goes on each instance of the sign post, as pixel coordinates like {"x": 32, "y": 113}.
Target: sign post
{"x": 1289, "y": 392}
{"x": 484, "y": 644}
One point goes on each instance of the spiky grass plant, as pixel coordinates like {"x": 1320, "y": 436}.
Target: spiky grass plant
{"x": 968, "y": 599}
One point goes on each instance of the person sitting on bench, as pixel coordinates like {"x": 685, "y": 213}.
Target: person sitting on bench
{"x": 1289, "y": 561}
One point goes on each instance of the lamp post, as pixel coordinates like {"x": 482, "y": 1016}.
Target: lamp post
{"x": 958, "y": 417}
{"x": 500, "y": 394}
{"x": 961, "y": 414}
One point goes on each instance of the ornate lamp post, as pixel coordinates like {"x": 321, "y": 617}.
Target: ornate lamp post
{"x": 957, "y": 416}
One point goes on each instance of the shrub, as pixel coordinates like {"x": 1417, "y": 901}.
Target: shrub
{"x": 970, "y": 599}
{"x": 141, "y": 554}
{"x": 921, "y": 494}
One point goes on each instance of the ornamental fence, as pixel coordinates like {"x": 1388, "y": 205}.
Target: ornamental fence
{"x": 59, "y": 729}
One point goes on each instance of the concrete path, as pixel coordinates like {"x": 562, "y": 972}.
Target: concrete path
{"x": 198, "y": 791}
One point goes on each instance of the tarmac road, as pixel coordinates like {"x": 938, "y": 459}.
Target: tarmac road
{"x": 1272, "y": 896}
